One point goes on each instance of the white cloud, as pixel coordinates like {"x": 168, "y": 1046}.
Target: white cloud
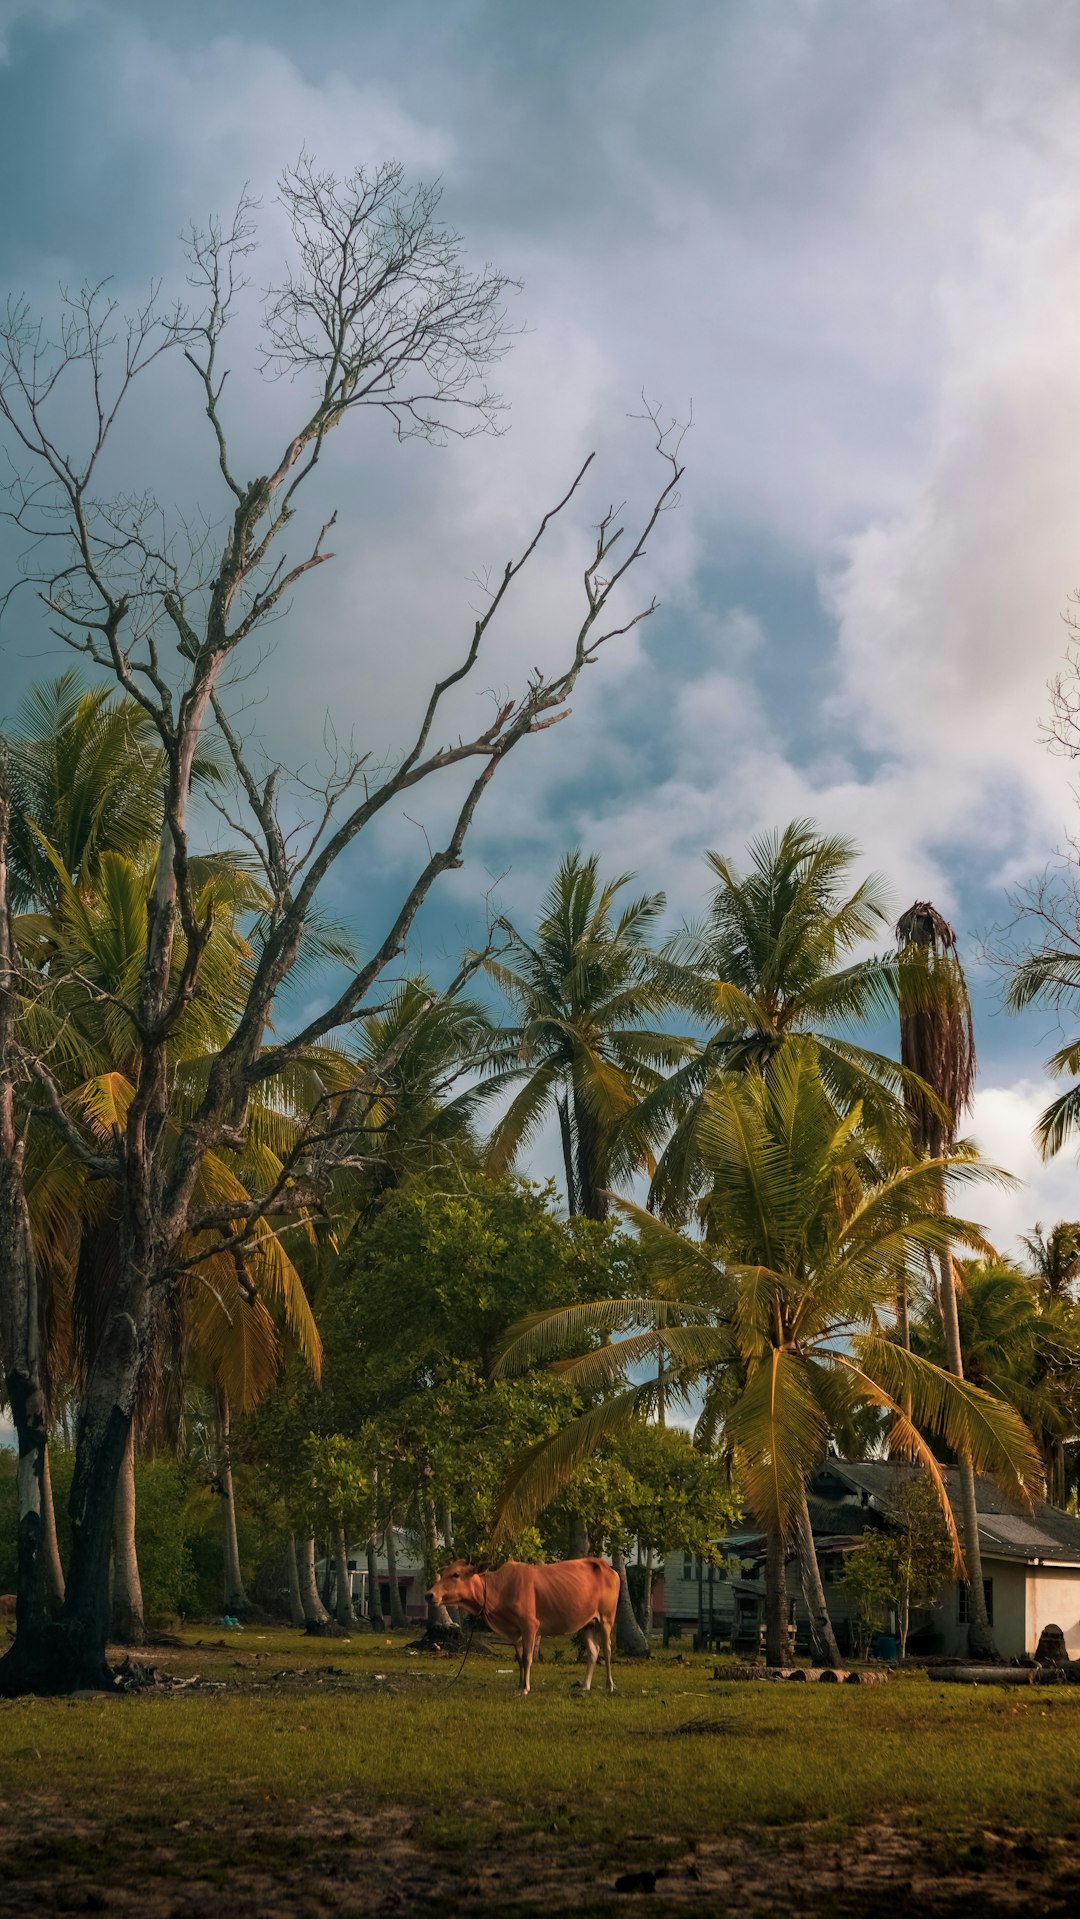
{"x": 1003, "y": 1123}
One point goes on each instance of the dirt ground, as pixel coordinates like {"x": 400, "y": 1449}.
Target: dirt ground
{"x": 304, "y": 1862}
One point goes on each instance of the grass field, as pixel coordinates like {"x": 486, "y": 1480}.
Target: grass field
{"x": 332, "y": 1776}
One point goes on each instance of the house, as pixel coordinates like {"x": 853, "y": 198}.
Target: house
{"x": 411, "y": 1579}
{"x": 1031, "y": 1559}
{"x": 1031, "y": 1567}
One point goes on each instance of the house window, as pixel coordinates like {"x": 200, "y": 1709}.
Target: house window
{"x": 688, "y": 1565}
{"x": 964, "y": 1611}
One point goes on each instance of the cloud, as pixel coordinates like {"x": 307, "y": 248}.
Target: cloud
{"x": 1003, "y": 1123}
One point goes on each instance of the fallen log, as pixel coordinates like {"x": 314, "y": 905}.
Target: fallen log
{"x": 972, "y": 1674}
{"x": 876, "y": 1678}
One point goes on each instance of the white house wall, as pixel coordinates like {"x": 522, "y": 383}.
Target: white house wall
{"x": 1053, "y": 1599}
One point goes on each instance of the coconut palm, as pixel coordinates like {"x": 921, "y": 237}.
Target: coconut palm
{"x": 937, "y": 1044}
{"x": 805, "y": 1237}
{"x": 1021, "y": 1343}
{"x": 1054, "y": 1257}
{"x": 777, "y": 955}
{"x": 584, "y": 989}
{"x": 414, "y": 1120}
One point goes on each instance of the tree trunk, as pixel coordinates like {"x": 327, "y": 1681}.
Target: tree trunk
{"x": 374, "y": 1597}
{"x": 592, "y": 1201}
{"x": 236, "y": 1599}
{"x": 821, "y": 1630}
{"x": 19, "y": 1322}
{"x": 903, "y": 1621}
{"x": 343, "y": 1609}
{"x": 777, "y": 1644}
{"x": 327, "y": 1574}
{"x": 398, "y": 1616}
{"x": 629, "y": 1638}
{"x": 296, "y": 1604}
{"x": 563, "y": 1107}
{"x": 579, "y": 1538}
{"x": 980, "y": 1637}
{"x": 54, "y": 1570}
{"x": 436, "y": 1613}
{"x": 316, "y": 1617}
{"x": 128, "y": 1624}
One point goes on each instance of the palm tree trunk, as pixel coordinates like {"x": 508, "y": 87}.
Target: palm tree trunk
{"x": 316, "y": 1617}
{"x": 343, "y": 1610}
{"x": 296, "y": 1604}
{"x": 50, "y": 1545}
{"x": 629, "y": 1638}
{"x": 563, "y": 1108}
{"x": 777, "y": 1644}
{"x": 236, "y": 1599}
{"x": 980, "y": 1637}
{"x": 398, "y": 1616}
{"x": 821, "y": 1629}
{"x": 128, "y": 1624}
{"x": 328, "y": 1573}
{"x": 592, "y": 1202}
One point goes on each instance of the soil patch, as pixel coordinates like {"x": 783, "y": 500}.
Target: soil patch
{"x": 294, "y": 1861}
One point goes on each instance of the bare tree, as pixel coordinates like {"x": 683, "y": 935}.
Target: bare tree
{"x": 377, "y": 310}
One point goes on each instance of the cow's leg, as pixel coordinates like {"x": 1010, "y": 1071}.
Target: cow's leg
{"x": 529, "y": 1637}
{"x": 605, "y": 1632}
{"x": 519, "y": 1655}
{"x": 592, "y": 1646}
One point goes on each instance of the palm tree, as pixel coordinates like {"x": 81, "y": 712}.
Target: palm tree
{"x": 776, "y": 956}
{"x": 805, "y": 1236}
{"x": 1021, "y": 1342}
{"x": 583, "y": 989}
{"x": 937, "y": 1043}
{"x": 1055, "y": 1257}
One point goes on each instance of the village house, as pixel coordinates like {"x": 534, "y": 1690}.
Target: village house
{"x": 411, "y": 1579}
{"x": 1031, "y": 1568}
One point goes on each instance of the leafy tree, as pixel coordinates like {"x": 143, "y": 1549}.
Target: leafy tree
{"x": 906, "y": 1565}
{"x": 585, "y": 989}
{"x": 376, "y": 309}
{"x": 805, "y": 1238}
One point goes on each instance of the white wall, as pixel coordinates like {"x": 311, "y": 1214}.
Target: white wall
{"x": 1053, "y": 1599}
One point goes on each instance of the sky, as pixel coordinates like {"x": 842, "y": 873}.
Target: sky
{"x": 846, "y": 236}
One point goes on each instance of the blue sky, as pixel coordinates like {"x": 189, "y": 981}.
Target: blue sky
{"x": 848, "y": 233}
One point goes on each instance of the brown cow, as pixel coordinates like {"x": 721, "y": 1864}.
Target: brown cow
{"x": 520, "y": 1602}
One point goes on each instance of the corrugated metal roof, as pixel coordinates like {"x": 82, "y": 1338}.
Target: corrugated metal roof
{"x": 1005, "y": 1528}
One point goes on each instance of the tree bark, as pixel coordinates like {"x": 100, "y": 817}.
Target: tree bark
{"x": 821, "y": 1628}
{"x": 316, "y": 1617}
{"x": 296, "y": 1604}
{"x": 592, "y": 1201}
{"x": 436, "y": 1613}
{"x": 54, "y": 1569}
{"x": 25, "y": 1664}
{"x": 343, "y": 1608}
{"x": 565, "y": 1134}
{"x": 236, "y": 1599}
{"x": 374, "y": 1597}
{"x": 980, "y": 1637}
{"x": 777, "y": 1644}
{"x": 579, "y": 1547}
{"x": 398, "y": 1616}
{"x": 128, "y": 1623}
{"x": 629, "y": 1638}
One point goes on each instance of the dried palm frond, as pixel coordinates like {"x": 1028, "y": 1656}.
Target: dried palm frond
{"x": 937, "y": 1034}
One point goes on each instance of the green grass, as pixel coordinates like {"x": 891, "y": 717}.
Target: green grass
{"x": 471, "y": 1757}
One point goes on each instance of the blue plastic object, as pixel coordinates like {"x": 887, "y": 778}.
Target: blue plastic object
{"x": 885, "y": 1647}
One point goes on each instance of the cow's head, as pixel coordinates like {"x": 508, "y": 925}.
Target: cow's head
{"x": 459, "y": 1584}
